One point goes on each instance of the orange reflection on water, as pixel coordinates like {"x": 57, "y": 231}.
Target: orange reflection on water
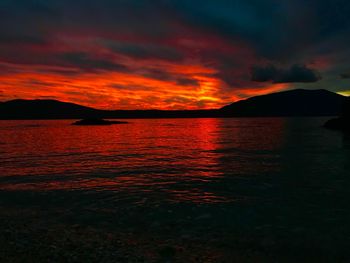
{"x": 178, "y": 160}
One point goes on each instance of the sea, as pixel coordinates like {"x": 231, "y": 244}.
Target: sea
{"x": 279, "y": 183}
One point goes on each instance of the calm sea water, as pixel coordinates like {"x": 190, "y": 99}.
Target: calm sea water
{"x": 246, "y": 177}
{"x": 176, "y": 160}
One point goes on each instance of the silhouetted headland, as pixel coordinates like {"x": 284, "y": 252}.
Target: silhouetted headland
{"x": 97, "y": 122}
{"x": 297, "y": 102}
{"x": 343, "y": 121}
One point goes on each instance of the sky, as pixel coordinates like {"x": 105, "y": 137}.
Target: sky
{"x": 171, "y": 54}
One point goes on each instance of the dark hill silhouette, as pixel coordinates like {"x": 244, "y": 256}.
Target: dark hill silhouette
{"x": 288, "y": 103}
{"x": 53, "y": 109}
{"x": 343, "y": 121}
{"x": 298, "y": 102}
{"x": 43, "y": 109}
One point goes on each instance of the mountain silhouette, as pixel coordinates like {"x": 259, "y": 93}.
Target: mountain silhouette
{"x": 53, "y": 109}
{"x": 297, "y": 102}
{"x": 43, "y": 109}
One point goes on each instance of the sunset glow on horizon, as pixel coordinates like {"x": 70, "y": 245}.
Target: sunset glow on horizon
{"x": 114, "y": 90}
{"x": 100, "y": 77}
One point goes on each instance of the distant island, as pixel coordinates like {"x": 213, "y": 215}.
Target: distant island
{"x": 90, "y": 122}
{"x": 298, "y": 102}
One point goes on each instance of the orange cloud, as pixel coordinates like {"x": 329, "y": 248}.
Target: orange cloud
{"x": 108, "y": 74}
{"x": 119, "y": 90}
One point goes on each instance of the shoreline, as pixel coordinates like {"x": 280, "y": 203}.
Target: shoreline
{"x": 43, "y": 233}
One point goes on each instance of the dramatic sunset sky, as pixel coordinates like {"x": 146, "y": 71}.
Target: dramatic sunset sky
{"x": 170, "y": 54}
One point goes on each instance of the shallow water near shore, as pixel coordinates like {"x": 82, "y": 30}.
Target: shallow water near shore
{"x": 199, "y": 188}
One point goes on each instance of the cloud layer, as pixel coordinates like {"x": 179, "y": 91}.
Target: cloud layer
{"x": 296, "y": 73}
{"x": 170, "y": 54}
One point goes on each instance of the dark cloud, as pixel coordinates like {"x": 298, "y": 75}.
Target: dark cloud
{"x": 146, "y": 51}
{"x": 281, "y": 32}
{"x": 36, "y": 82}
{"x": 141, "y": 18}
{"x": 60, "y": 71}
{"x": 264, "y": 73}
{"x": 296, "y": 73}
{"x": 85, "y": 62}
{"x": 166, "y": 76}
{"x": 186, "y": 81}
{"x": 27, "y": 22}
{"x": 158, "y": 74}
{"x": 231, "y": 71}
{"x": 13, "y": 39}
{"x": 345, "y": 75}
{"x": 276, "y": 29}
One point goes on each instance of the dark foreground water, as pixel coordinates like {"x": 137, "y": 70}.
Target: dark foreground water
{"x": 182, "y": 189}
